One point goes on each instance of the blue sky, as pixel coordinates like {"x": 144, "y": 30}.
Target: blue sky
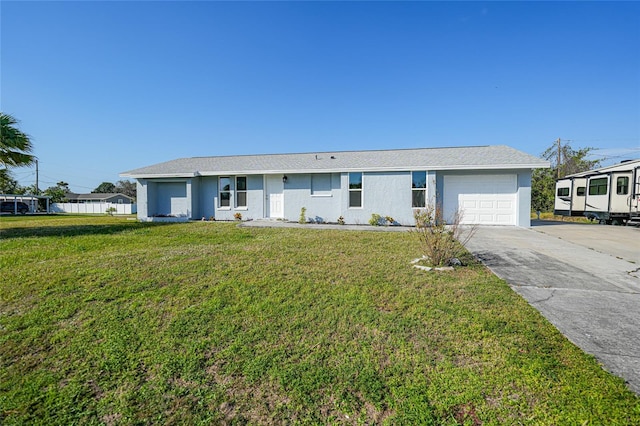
{"x": 105, "y": 87}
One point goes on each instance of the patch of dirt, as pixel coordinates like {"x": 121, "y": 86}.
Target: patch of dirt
{"x": 111, "y": 419}
{"x": 248, "y": 403}
{"x": 466, "y": 412}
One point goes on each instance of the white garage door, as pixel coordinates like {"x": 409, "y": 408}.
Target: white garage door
{"x": 482, "y": 199}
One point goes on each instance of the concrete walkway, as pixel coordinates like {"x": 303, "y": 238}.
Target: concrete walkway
{"x": 585, "y": 279}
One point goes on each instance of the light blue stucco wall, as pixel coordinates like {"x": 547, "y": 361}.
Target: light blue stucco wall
{"x": 323, "y": 208}
{"x": 172, "y": 198}
{"x": 209, "y": 199}
{"x": 142, "y": 197}
{"x": 384, "y": 193}
{"x": 165, "y": 197}
{"x": 207, "y": 196}
{"x": 523, "y": 215}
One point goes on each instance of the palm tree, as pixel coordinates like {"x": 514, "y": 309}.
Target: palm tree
{"x": 15, "y": 146}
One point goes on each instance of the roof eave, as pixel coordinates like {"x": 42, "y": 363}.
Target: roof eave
{"x": 526, "y": 166}
{"x": 158, "y": 175}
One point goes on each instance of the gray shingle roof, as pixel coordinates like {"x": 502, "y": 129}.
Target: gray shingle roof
{"x": 458, "y": 158}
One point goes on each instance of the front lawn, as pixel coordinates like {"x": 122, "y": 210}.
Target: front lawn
{"x": 105, "y": 320}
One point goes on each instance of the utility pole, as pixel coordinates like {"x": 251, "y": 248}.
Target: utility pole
{"x": 37, "y": 190}
{"x": 559, "y": 157}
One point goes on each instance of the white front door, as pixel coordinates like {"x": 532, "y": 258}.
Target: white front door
{"x": 274, "y": 194}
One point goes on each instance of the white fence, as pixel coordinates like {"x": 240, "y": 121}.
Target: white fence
{"x": 93, "y": 208}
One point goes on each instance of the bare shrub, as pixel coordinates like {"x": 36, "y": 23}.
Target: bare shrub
{"x": 441, "y": 240}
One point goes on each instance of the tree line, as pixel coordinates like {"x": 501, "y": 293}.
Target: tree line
{"x": 564, "y": 161}
{"x": 58, "y": 193}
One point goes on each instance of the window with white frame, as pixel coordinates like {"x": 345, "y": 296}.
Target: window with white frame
{"x": 418, "y": 189}
{"x": 241, "y": 191}
{"x": 355, "y": 189}
{"x": 321, "y": 184}
{"x": 225, "y": 192}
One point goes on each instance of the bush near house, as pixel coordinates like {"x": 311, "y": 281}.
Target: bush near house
{"x": 109, "y": 321}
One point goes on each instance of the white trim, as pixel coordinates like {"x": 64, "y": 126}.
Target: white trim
{"x": 339, "y": 170}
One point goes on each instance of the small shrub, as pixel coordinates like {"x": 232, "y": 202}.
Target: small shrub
{"x": 303, "y": 215}
{"x": 237, "y": 216}
{"x": 441, "y": 241}
{"x": 341, "y": 220}
{"x": 375, "y": 219}
{"x": 110, "y": 211}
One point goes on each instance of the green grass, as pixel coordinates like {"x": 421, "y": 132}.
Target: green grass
{"x": 105, "y": 320}
{"x": 559, "y": 218}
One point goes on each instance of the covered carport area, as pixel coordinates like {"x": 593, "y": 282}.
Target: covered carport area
{"x": 36, "y": 203}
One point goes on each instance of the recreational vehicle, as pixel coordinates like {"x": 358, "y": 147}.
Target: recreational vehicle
{"x": 609, "y": 195}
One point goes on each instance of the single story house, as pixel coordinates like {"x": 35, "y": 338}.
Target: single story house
{"x": 488, "y": 184}
{"x": 97, "y": 197}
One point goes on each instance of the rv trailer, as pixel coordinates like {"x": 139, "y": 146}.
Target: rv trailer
{"x": 609, "y": 195}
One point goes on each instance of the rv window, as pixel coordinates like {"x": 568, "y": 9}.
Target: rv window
{"x": 622, "y": 185}
{"x": 580, "y": 191}
{"x": 598, "y": 186}
{"x": 563, "y": 192}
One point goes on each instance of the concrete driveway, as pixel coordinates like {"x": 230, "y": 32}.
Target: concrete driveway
{"x": 585, "y": 279}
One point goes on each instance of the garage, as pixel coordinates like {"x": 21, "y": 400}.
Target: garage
{"x": 483, "y": 199}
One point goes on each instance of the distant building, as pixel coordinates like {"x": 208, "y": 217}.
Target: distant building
{"x": 96, "y": 203}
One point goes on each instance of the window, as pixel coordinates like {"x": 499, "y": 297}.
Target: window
{"x": 418, "y": 189}
{"x": 581, "y": 191}
{"x": 321, "y": 184}
{"x": 355, "y": 189}
{"x": 225, "y": 192}
{"x": 598, "y": 186}
{"x": 241, "y": 191}
{"x": 563, "y": 192}
{"x": 622, "y": 185}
